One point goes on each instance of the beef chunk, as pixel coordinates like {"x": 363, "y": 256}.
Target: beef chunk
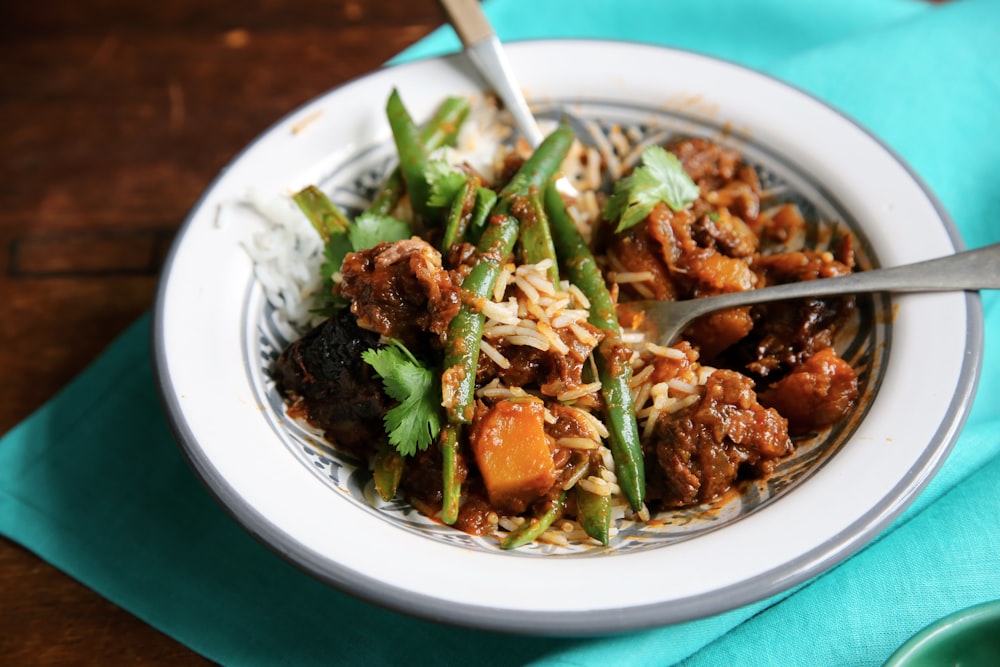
{"x": 400, "y": 290}
{"x": 816, "y": 394}
{"x": 786, "y": 333}
{"x": 702, "y": 450}
{"x": 333, "y": 388}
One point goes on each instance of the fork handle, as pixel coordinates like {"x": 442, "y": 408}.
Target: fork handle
{"x": 468, "y": 20}
{"x": 969, "y": 270}
{"x": 483, "y": 47}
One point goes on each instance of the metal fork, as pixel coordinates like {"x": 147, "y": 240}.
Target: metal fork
{"x": 484, "y": 50}
{"x": 663, "y": 321}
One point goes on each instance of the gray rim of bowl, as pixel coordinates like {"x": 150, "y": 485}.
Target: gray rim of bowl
{"x": 818, "y": 560}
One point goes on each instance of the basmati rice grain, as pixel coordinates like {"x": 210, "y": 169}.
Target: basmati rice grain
{"x": 641, "y": 376}
{"x": 683, "y": 387}
{"x": 664, "y": 351}
{"x": 577, "y": 443}
{"x": 530, "y": 341}
{"x": 579, "y": 392}
{"x": 526, "y": 287}
{"x": 494, "y": 354}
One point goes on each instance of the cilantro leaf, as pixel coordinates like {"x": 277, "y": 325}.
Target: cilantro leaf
{"x": 416, "y": 421}
{"x": 660, "y": 178}
{"x": 445, "y": 183}
{"x": 370, "y": 229}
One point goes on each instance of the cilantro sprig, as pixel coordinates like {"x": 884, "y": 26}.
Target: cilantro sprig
{"x": 661, "y": 178}
{"x": 444, "y": 183}
{"x": 370, "y": 229}
{"x": 341, "y": 236}
{"x": 416, "y": 421}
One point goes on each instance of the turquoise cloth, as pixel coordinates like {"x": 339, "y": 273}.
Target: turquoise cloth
{"x": 95, "y": 484}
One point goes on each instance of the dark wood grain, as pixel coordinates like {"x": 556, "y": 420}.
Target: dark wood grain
{"x": 115, "y": 117}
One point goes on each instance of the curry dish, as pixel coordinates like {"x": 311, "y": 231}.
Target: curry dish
{"x": 475, "y": 358}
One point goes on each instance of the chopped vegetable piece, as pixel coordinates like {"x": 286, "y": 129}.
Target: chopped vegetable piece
{"x": 536, "y": 237}
{"x": 532, "y": 529}
{"x": 462, "y": 207}
{"x": 412, "y": 153}
{"x": 333, "y": 228}
{"x": 594, "y": 514}
{"x": 451, "y": 486}
{"x": 513, "y": 453}
{"x": 387, "y": 471}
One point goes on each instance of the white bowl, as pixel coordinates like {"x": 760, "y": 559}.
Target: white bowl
{"x": 920, "y": 357}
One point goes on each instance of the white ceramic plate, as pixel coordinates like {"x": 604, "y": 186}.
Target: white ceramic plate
{"x": 920, "y": 355}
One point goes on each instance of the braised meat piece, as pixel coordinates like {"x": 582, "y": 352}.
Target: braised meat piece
{"x": 696, "y": 454}
{"x": 786, "y": 333}
{"x": 332, "y": 387}
{"x": 709, "y": 164}
{"x": 816, "y": 394}
{"x": 697, "y": 250}
{"x": 400, "y": 290}
{"x": 725, "y": 180}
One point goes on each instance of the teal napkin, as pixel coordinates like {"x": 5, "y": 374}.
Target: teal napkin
{"x": 94, "y": 483}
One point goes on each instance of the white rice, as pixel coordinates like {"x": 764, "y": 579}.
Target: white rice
{"x": 287, "y": 253}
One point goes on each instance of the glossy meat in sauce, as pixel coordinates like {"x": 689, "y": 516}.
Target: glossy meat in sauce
{"x": 400, "y": 290}
{"x": 702, "y": 450}
{"x": 331, "y": 387}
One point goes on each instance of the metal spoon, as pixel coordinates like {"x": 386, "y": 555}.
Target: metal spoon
{"x": 663, "y": 321}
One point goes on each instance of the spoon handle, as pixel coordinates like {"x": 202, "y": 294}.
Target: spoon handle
{"x": 483, "y": 47}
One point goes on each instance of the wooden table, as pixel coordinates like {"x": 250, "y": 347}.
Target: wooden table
{"x": 115, "y": 116}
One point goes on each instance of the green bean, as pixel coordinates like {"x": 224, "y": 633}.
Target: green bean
{"x": 611, "y": 354}
{"x": 485, "y": 200}
{"x": 412, "y": 154}
{"x": 326, "y": 218}
{"x": 594, "y": 514}
{"x": 451, "y": 486}
{"x": 388, "y": 470}
{"x": 538, "y": 170}
{"x": 536, "y": 235}
{"x": 465, "y": 330}
{"x": 333, "y": 228}
{"x": 532, "y": 529}
{"x": 440, "y": 130}
{"x": 459, "y": 215}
